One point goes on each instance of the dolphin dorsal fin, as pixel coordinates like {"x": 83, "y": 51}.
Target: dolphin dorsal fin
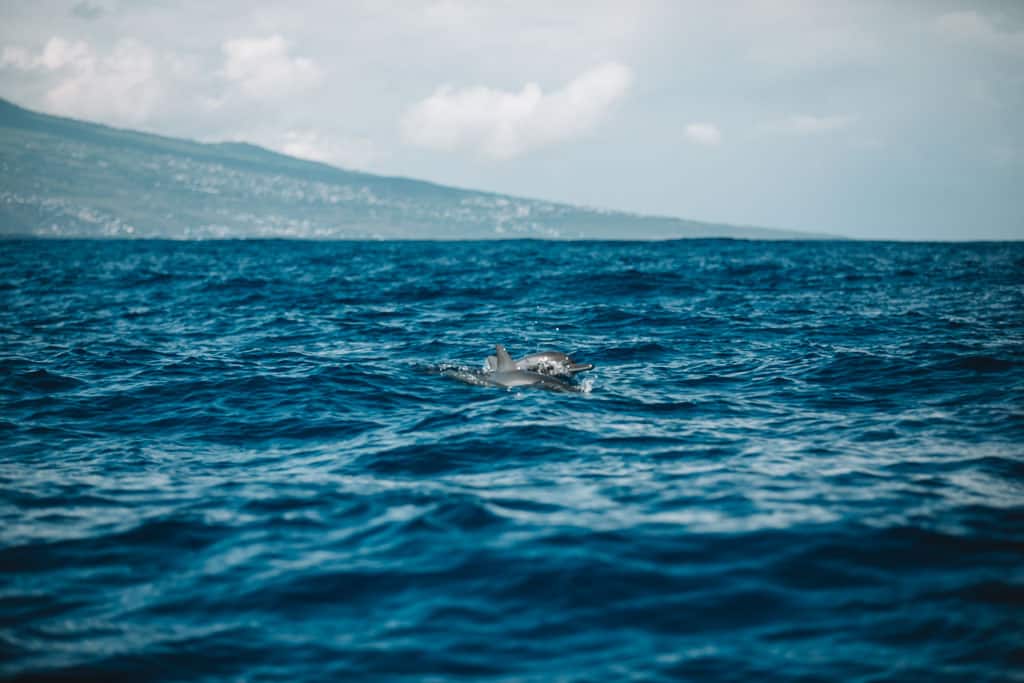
{"x": 505, "y": 361}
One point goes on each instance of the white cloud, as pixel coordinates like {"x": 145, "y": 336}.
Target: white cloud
{"x": 17, "y": 57}
{"x": 120, "y": 87}
{"x": 57, "y": 53}
{"x": 502, "y": 124}
{"x": 703, "y": 134}
{"x": 347, "y": 152}
{"x": 973, "y": 29}
{"x": 262, "y": 67}
{"x": 803, "y": 124}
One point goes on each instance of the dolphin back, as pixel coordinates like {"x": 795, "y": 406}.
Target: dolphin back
{"x": 549, "y": 369}
{"x": 504, "y": 361}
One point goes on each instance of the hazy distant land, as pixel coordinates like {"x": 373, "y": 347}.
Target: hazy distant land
{"x": 68, "y": 178}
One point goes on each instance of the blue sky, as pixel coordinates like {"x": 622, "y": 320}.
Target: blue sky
{"x": 895, "y": 120}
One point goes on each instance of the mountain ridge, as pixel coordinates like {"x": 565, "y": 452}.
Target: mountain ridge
{"x": 65, "y": 177}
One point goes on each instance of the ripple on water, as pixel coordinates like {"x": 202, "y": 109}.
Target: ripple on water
{"x": 246, "y": 461}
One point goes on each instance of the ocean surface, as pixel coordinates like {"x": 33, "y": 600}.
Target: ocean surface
{"x": 251, "y": 461}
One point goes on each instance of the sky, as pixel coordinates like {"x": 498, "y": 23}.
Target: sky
{"x": 882, "y": 120}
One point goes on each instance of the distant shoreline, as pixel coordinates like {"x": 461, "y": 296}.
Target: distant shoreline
{"x": 439, "y": 240}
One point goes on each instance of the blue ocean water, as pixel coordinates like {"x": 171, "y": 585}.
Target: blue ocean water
{"x": 794, "y": 461}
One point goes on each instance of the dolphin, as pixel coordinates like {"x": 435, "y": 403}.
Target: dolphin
{"x": 506, "y": 373}
{"x": 545, "y": 363}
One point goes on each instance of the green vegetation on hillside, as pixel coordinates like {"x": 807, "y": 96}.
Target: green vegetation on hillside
{"x": 63, "y": 177}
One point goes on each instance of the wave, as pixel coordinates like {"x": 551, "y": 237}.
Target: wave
{"x": 231, "y": 461}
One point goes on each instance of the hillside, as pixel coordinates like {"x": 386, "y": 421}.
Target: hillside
{"x": 63, "y": 177}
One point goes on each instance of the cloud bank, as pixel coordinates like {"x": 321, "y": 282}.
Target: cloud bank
{"x": 120, "y": 86}
{"x": 262, "y": 67}
{"x": 347, "y": 152}
{"x": 501, "y": 124}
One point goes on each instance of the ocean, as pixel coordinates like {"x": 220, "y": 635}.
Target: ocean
{"x": 255, "y": 461}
